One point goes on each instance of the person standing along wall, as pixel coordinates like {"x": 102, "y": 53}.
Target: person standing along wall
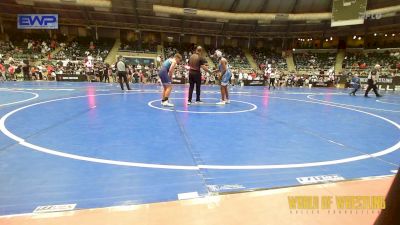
{"x": 25, "y": 69}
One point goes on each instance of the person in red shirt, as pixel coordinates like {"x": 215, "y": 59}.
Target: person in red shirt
{"x": 49, "y": 71}
{"x": 2, "y": 72}
{"x": 53, "y": 44}
{"x": 92, "y": 45}
{"x": 2, "y": 68}
{"x": 253, "y": 74}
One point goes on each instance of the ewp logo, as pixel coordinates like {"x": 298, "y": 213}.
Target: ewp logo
{"x": 38, "y": 21}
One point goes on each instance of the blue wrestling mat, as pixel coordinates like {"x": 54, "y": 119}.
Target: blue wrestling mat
{"x": 92, "y": 145}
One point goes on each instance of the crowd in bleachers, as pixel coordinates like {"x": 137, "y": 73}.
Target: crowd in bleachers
{"x": 234, "y": 55}
{"x": 79, "y": 56}
{"x": 387, "y": 60}
{"x": 310, "y": 61}
{"x": 138, "y": 46}
{"x": 84, "y": 56}
{"x": 18, "y": 51}
{"x": 15, "y": 55}
{"x": 82, "y": 48}
{"x": 8, "y": 51}
{"x": 264, "y": 56}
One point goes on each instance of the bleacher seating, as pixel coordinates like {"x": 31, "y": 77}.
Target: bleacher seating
{"x": 137, "y": 46}
{"x": 83, "y": 47}
{"x": 234, "y": 55}
{"x": 309, "y": 61}
{"x": 264, "y": 56}
{"x": 361, "y": 60}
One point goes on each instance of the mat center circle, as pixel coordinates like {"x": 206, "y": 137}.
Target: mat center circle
{"x": 209, "y": 106}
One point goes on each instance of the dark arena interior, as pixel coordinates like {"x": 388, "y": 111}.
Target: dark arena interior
{"x": 211, "y": 112}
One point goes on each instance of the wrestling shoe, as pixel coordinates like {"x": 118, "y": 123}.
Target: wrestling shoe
{"x": 221, "y": 103}
{"x": 199, "y": 102}
{"x": 228, "y": 101}
{"x": 167, "y": 104}
{"x": 189, "y": 103}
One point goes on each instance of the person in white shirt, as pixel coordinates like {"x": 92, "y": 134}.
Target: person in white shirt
{"x": 240, "y": 78}
{"x": 65, "y": 62}
{"x": 10, "y": 60}
{"x": 272, "y": 76}
{"x": 314, "y": 80}
{"x": 267, "y": 72}
{"x": 233, "y": 78}
{"x": 306, "y": 82}
{"x": 245, "y": 76}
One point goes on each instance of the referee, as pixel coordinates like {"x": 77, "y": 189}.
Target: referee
{"x": 272, "y": 77}
{"x": 196, "y": 62}
{"x": 121, "y": 68}
{"x": 372, "y": 79}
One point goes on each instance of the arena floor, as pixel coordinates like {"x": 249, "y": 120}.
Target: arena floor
{"x": 92, "y": 145}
